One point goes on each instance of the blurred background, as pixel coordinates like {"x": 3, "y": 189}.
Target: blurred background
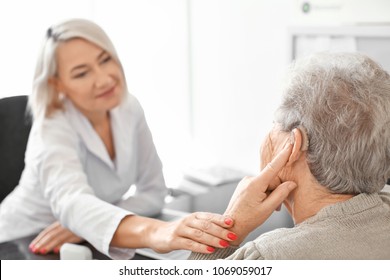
{"x": 207, "y": 72}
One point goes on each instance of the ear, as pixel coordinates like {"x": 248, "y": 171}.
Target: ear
{"x": 297, "y": 139}
{"x": 55, "y": 83}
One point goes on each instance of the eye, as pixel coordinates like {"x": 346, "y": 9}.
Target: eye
{"x": 80, "y": 75}
{"x": 106, "y": 59}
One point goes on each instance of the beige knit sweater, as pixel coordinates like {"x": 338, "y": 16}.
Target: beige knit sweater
{"x": 358, "y": 228}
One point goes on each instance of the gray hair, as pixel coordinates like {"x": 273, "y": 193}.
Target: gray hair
{"x": 43, "y": 99}
{"x": 343, "y": 102}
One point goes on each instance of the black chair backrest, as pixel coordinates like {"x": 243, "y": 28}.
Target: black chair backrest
{"x": 15, "y": 125}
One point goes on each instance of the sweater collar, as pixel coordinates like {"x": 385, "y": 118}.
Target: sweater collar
{"x": 356, "y": 204}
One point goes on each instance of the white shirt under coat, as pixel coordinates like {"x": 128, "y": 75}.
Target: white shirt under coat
{"x": 70, "y": 177}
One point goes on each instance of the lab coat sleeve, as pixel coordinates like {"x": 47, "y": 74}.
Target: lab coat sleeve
{"x": 72, "y": 200}
{"x": 151, "y": 190}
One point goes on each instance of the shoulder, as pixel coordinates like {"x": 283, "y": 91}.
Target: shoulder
{"x": 56, "y": 129}
{"x": 130, "y": 105}
{"x": 129, "y": 111}
{"x": 283, "y": 243}
{"x": 247, "y": 252}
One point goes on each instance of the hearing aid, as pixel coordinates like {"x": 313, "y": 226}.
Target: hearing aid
{"x": 305, "y": 138}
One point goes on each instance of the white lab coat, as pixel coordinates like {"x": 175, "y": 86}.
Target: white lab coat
{"x": 69, "y": 176}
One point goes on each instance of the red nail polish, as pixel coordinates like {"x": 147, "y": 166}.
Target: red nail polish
{"x": 228, "y": 221}
{"x": 35, "y": 250}
{"x": 210, "y": 249}
{"x": 56, "y": 250}
{"x": 224, "y": 243}
{"x": 232, "y": 236}
{"x": 43, "y": 251}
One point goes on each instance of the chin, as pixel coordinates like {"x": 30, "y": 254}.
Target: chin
{"x": 112, "y": 102}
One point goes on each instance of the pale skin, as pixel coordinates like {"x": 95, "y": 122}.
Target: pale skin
{"x": 93, "y": 81}
{"x": 285, "y": 177}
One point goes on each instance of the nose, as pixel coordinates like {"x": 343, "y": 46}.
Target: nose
{"x": 102, "y": 78}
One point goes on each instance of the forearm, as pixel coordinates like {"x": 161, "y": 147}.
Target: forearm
{"x": 135, "y": 232}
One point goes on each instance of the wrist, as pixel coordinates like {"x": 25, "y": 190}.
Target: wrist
{"x": 240, "y": 236}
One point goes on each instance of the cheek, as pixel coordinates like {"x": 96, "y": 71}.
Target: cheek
{"x": 79, "y": 90}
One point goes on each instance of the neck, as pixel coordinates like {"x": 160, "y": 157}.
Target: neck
{"x": 97, "y": 119}
{"x": 309, "y": 199}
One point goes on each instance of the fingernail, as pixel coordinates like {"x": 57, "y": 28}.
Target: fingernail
{"x": 228, "y": 221}
{"x": 210, "y": 249}
{"x": 43, "y": 251}
{"x": 232, "y": 236}
{"x": 31, "y": 247}
{"x": 56, "y": 250}
{"x": 34, "y": 250}
{"x": 224, "y": 243}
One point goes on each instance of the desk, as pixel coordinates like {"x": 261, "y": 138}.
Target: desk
{"x": 18, "y": 250}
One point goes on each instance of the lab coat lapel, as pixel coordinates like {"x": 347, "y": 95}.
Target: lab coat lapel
{"x": 122, "y": 140}
{"x": 88, "y": 135}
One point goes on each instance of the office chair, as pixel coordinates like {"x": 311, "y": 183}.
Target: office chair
{"x": 15, "y": 125}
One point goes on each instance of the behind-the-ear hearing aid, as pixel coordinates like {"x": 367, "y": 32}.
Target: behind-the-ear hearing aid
{"x": 305, "y": 138}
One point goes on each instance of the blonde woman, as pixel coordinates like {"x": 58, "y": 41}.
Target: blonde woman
{"x": 89, "y": 143}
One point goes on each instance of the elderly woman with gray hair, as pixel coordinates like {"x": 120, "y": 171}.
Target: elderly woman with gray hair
{"x": 332, "y": 138}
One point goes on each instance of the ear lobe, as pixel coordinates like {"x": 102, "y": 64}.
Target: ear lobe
{"x": 53, "y": 82}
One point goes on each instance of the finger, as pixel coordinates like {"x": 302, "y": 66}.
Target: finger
{"x": 64, "y": 236}
{"x": 274, "y": 167}
{"x": 220, "y": 220}
{"x": 36, "y": 246}
{"x": 205, "y": 238}
{"x": 43, "y": 233}
{"x": 55, "y": 241}
{"x": 202, "y": 229}
{"x": 191, "y": 245}
{"x": 276, "y": 198}
{"x": 49, "y": 241}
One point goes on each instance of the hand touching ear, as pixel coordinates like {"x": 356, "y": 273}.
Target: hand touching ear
{"x": 252, "y": 202}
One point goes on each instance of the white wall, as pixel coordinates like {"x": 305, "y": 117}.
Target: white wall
{"x": 23, "y": 25}
{"x": 239, "y": 52}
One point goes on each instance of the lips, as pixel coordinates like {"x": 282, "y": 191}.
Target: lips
{"x": 107, "y": 93}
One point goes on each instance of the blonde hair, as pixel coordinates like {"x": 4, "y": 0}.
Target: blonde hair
{"x": 44, "y": 99}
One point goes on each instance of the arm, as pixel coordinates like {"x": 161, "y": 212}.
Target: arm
{"x": 198, "y": 232}
{"x": 252, "y": 196}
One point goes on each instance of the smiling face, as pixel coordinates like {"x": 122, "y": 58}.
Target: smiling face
{"x": 88, "y": 76}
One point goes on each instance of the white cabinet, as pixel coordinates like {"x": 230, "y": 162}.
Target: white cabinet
{"x": 371, "y": 40}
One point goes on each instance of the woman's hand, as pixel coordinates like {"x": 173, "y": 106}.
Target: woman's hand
{"x": 198, "y": 232}
{"x": 52, "y": 238}
{"x": 253, "y": 201}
